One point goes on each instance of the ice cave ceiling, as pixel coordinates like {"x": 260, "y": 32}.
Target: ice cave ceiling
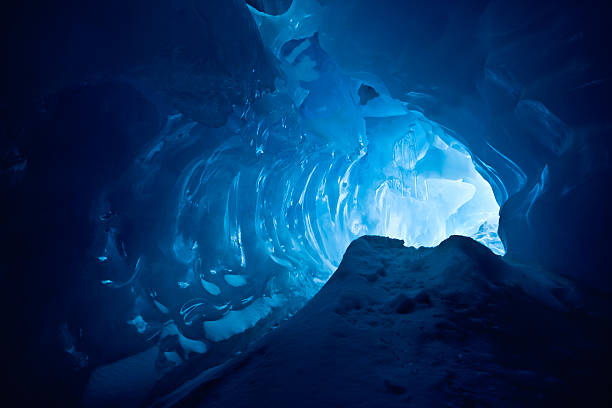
{"x": 260, "y": 220}
{"x": 252, "y": 143}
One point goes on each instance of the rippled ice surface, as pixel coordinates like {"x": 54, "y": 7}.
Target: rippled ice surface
{"x": 264, "y": 207}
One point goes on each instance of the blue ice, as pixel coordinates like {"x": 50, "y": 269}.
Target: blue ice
{"x": 263, "y": 219}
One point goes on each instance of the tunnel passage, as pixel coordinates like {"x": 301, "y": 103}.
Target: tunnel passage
{"x": 263, "y": 208}
{"x": 274, "y": 135}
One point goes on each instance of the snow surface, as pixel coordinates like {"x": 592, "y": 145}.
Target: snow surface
{"x": 453, "y": 325}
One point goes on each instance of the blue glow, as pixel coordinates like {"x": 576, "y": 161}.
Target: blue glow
{"x": 311, "y": 167}
{"x": 301, "y": 173}
{"x": 183, "y": 181}
{"x": 262, "y": 219}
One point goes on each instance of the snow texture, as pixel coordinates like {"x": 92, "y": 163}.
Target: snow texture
{"x": 453, "y": 325}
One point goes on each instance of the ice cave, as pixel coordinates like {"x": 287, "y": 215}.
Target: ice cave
{"x": 307, "y": 203}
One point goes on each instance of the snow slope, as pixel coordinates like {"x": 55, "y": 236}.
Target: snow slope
{"x": 452, "y": 325}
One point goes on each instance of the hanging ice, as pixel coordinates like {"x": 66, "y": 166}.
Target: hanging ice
{"x": 324, "y": 159}
{"x": 263, "y": 217}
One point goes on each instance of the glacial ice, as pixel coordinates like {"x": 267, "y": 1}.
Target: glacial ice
{"x": 262, "y": 216}
{"x": 308, "y": 169}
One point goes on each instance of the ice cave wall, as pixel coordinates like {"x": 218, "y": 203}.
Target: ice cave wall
{"x": 523, "y": 87}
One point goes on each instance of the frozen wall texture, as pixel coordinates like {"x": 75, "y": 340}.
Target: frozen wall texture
{"x": 185, "y": 175}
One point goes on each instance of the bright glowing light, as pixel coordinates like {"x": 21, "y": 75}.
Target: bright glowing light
{"x": 263, "y": 220}
{"x": 313, "y": 167}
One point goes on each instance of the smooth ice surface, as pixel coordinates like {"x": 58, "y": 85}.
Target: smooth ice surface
{"x": 315, "y": 165}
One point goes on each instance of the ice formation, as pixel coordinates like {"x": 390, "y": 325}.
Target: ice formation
{"x": 296, "y": 186}
{"x": 182, "y": 178}
{"x": 262, "y": 218}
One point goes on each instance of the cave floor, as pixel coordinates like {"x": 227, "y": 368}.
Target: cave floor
{"x": 447, "y": 326}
